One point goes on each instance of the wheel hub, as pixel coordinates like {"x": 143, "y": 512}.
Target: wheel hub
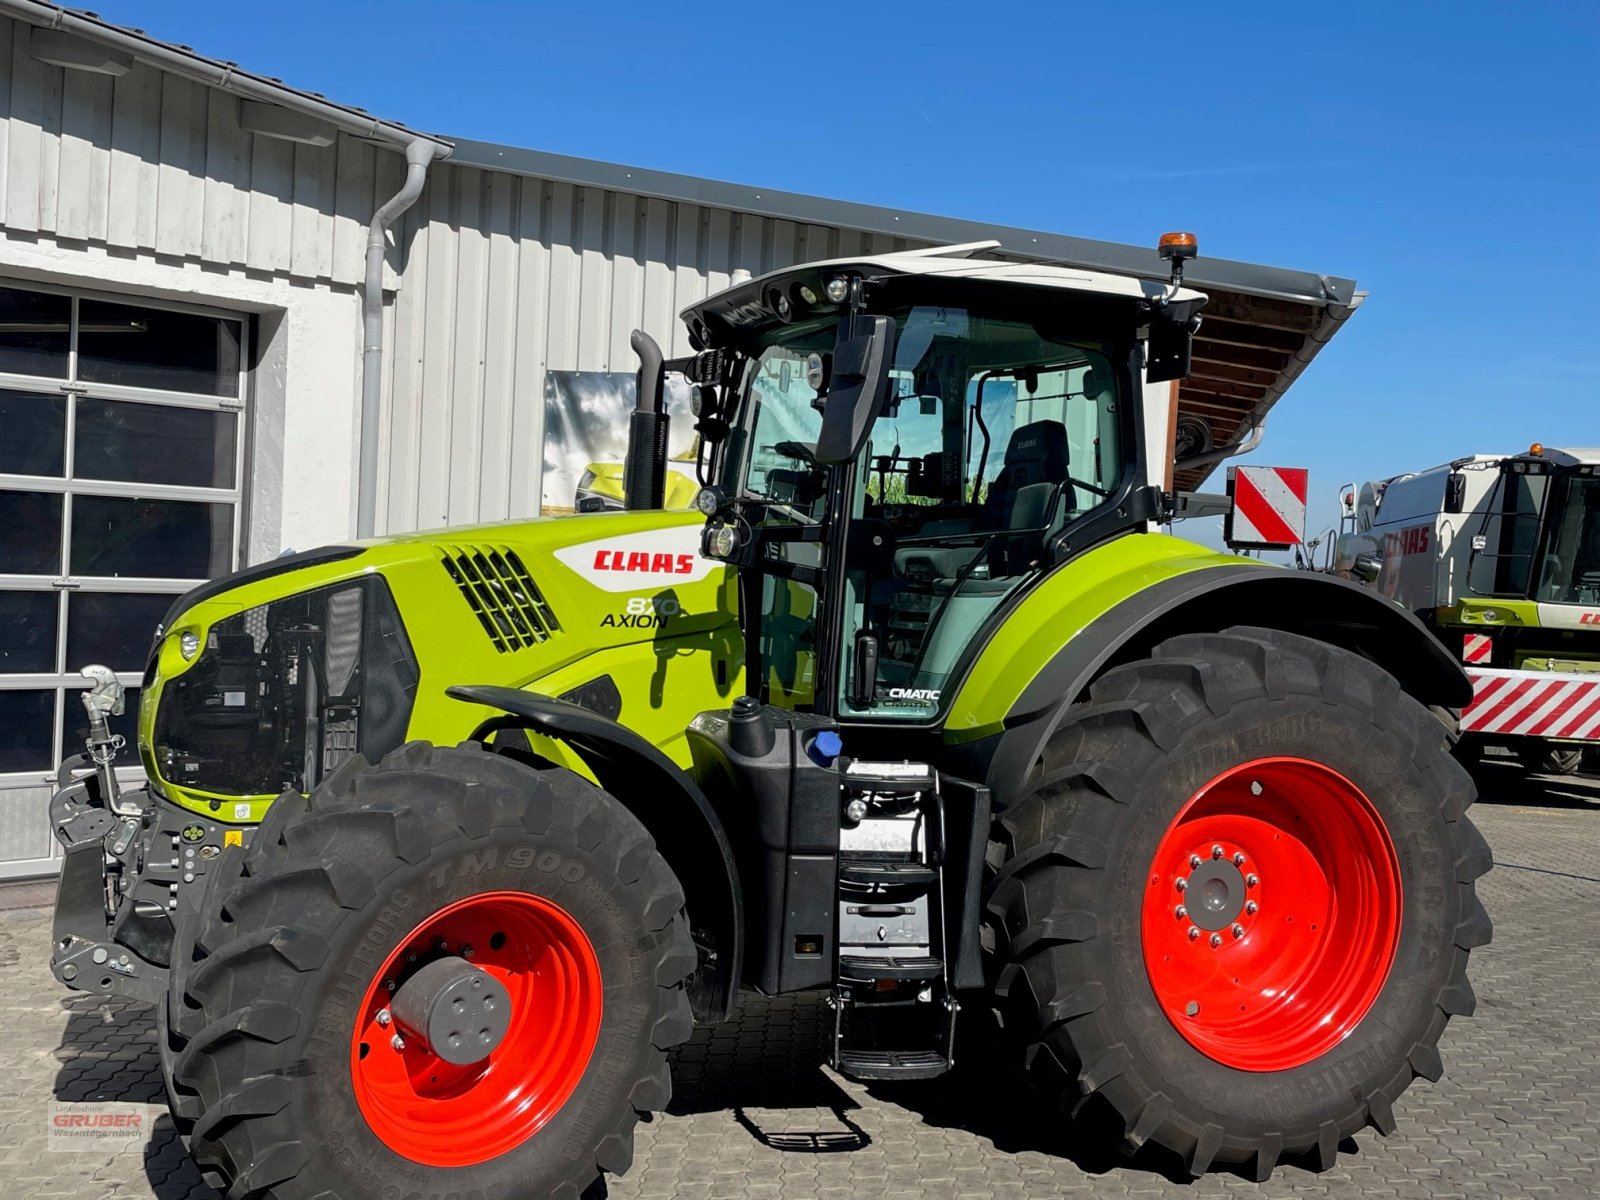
{"x": 454, "y": 1010}
{"x": 1216, "y": 895}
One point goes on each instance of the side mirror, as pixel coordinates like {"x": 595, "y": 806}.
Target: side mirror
{"x": 1455, "y": 492}
{"x": 860, "y": 380}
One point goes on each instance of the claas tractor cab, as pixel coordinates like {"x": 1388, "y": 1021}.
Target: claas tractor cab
{"x": 449, "y": 837}
{"x": 1500, "y": 556}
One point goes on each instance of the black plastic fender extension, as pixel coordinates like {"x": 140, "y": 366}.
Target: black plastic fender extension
{"x": 668, "y": 803}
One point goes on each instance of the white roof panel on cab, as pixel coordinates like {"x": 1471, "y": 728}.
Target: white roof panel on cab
{"x": 940, "y": 261}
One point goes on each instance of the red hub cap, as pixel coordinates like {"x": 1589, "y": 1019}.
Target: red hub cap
{"x": 1272, "y": 914}
{"x": 448, "y": 1115}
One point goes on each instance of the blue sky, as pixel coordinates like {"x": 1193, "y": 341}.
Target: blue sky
{"x": 1443, "y": 155}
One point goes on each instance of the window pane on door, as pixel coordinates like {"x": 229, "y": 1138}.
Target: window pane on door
{"x": 112, "y": 628}
{"x": 35, "y": 331}
{"x": 75, "y": 725}
{"x": 30, "y": 533}
{"x": 27, "y": 725}
{"x": 28, "y": 633}
{"x": 137, "y": 536}
{"x": 35, "y": 437}
{"x": 154, "y": 443}
{"x": 132, "y": 346}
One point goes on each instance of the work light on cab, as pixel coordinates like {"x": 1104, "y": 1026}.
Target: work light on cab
{"x": 1176, "y": 248}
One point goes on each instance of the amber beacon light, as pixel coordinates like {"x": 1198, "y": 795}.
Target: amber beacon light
{"x": 1177, "y": 248}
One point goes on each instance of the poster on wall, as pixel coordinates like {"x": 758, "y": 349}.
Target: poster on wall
{"x": 586, "y": 417}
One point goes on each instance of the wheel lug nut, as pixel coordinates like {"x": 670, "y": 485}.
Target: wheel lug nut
{"x": 383, "y": 1017}
{"x": 1238, "y": 859}
{"x": 467, "y": 952}
{"x": 397, "y": 1042}
{"x": 1255, "y": 787}
{"x": 1251, "y": 880}
{"x": 440, "y": 944}
{"x": 1182, "y": 883}
{"x": 1216, "y": 940}
{"x": 1238, "y": 931}
{"x": 1194, "y": 860}
{"x": 388, "y": 985}
{"x": 1181, "y": 912}
{"x": 1216, "y": 852}
{"x": 1251, "y": 907}
{"x": 1193, "y": 933}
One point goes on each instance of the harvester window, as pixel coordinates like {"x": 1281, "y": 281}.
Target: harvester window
{"x": 1571, "y": 570}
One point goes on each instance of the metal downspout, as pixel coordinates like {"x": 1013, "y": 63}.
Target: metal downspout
{"x": 419, "y": 154}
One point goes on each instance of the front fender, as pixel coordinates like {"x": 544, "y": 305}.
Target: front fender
{"x": 668, "y": 804}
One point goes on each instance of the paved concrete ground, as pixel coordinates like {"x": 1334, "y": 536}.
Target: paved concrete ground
{"x": 1518, "y": 1113}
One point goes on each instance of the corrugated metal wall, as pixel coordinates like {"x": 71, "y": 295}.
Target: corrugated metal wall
{"x": 507, "y": 276}
{"x": 149, "y": 161}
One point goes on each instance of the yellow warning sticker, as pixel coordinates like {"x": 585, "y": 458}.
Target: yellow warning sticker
{"x": 233, "y": 837}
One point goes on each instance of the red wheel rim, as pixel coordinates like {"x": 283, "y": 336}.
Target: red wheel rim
{"x": 1272, "y": 914}
{"x": 444, "y": 1115}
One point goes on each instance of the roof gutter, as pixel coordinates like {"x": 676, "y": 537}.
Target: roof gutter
{"x": 226, "y": 76}
{"x": 419, "y": 153}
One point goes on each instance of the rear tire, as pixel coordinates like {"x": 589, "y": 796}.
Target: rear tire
{"x": 1091, "y": 959}
{"x": 1551, "y": 760}
{"x": 268, "y": 1046}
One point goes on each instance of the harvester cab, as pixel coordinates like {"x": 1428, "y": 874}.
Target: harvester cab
{"x": 1500, "y": 555}
{"x": 449, "y": 837}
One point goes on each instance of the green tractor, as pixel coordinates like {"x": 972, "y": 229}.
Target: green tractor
{"x": 449, "y": 838}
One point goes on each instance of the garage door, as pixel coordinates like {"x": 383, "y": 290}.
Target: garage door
{"x": 121, "y": 460}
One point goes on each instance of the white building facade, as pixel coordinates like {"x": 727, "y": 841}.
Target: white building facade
{"x": 183, "y": 258}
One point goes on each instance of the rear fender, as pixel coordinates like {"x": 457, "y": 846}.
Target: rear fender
{"x": 668, "y": 804}
{"x": 1331, "y": 610}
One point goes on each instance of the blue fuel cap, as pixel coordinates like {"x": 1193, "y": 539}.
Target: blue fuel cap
{"x": 825, "y": 747}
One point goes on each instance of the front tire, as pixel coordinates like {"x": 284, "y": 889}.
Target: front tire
{"x": 284, "y": 1062}
{"x": 1144, "y": 898}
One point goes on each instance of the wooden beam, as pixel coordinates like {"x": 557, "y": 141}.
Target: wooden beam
{"x": 1257, "y": 310}
{"x": 1232, "y": 374}
{"x": 1241, "y": 333}
{"x": 1239, "y": 356}
{"x": 1221, "y": 388}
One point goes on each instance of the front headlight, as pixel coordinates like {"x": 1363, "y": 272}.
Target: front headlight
{"x": 188, "y": 644}
{"x": 722, "y": 541}
{"x": 586, "y": 480}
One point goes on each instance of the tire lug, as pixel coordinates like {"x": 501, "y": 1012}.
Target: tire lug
{"x": 1194, "y": 860}
{"x": 1181, "y": 912}
{"x": 1216, "y": 940}
{"x": 1193, "y": 933}
{"x": 1182, "y": 883}
{"x": 1216, "y": 852}
{"x": 397, "y": 1042}
{"x": 1238, "y": 859}
{"x": 1238, "y": 931}
{"x": 383, "y": 1018}
{"x": 1251, "y": 880}
{"x": 1251, "y": 907}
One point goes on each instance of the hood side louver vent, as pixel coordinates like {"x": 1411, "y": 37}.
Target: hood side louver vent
{"x": 500, "y": 591}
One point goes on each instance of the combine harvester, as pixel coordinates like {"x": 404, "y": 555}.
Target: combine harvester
{"x": 1500, "y": 557}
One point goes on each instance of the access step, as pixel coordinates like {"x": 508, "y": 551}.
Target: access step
{"x": 882, "y": 966}
{"x": 887, "y": 874}
{"x": 892, "y": 1064}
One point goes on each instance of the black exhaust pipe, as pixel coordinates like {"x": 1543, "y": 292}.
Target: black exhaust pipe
{"x": 644, "y": 473}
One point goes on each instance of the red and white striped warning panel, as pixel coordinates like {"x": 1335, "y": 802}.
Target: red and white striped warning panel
{"x": 1534, "y": 704}
{"x": 1269, "y": 507}
{"x": 1475, "y": 648}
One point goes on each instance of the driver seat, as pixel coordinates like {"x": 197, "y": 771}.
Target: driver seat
{"x": 1027, "y": 494}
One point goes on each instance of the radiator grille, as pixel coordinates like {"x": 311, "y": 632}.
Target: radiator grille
{"x": 502, "y": 594}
